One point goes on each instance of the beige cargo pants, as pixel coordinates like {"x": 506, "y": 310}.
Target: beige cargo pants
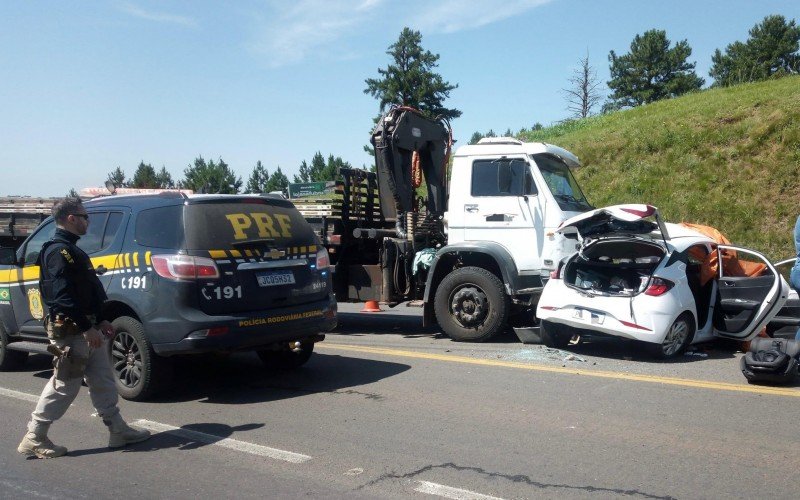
{"x": 60, "y": 391}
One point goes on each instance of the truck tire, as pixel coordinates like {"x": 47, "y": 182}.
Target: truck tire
{"x": 286, "y": 359}
{"x": 138, "y": 370}
{"x": 471, "y": 305}
{"x": 10, "y": 359}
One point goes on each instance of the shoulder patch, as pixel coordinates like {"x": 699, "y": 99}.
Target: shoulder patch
{"x": 67, "y": 256}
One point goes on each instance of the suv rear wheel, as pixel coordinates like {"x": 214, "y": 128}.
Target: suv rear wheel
{"x": 10, "y": 359}
{"x": 286, "y": 359}
{"x": 138, "y": 371}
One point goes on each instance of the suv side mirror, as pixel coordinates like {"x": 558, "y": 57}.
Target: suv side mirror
{"x": 8, "y": 256}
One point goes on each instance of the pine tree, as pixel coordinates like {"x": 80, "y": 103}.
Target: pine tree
{"x": 117, "y": 177}
{"x": 210, "y": 177}
{"x": 257, "y": 182}
{"x": 277, "y": 181}
{"x": 651, "y": 71}
{"x": 772, "y": 49}
{"x": 305, "y": 173}
{"x": 164, "y": 179}
{"x": 409, "y": 79}
{"x": 144, "y": 177}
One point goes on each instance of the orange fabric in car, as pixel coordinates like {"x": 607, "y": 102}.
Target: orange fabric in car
{"x": 731, "y": 265}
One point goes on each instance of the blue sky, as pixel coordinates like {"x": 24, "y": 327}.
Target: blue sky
{"x": 91, "y": 85}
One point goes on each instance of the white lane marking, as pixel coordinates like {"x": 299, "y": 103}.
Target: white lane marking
{"x": 233, "y": 444}
{"x": 19, "y": 395}
{"x": 450, "y": 492}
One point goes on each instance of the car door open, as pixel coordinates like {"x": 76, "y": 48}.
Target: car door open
{"x": 749, "y": 292}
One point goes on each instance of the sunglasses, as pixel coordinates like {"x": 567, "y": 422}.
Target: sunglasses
{"x": 83, "y": 216}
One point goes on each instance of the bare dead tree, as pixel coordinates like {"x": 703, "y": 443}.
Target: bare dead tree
{"x": 583, "y": 93}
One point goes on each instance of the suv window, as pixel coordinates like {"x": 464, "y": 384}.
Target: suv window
{"x": 502, "y": 178}
{"x": 103, "y": 226}
{"x": 34, "y": 245}
{"x": 160, "y": 227}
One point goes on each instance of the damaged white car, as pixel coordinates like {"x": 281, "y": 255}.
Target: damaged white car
{"x": 658, "y": 283}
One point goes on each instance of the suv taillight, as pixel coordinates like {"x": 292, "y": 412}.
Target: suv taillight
{"x": 658, "y": 286}
{"x": 323, "y": 261}
{"x": 184, "y": 267}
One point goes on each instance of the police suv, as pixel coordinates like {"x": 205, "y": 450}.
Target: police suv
{"x": 185, "y": 274}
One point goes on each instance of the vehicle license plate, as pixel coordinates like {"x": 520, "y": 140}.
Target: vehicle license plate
{"x": 595, "y": 318}
{"x": 275, "y": 278}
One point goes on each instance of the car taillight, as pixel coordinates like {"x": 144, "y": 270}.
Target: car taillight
{"x": 184, "y": 267}
{"x": 658, "y": 286}
{"x": 323, "y": 261}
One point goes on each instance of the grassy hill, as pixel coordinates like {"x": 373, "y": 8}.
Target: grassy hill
{"x": 728, "y": 158}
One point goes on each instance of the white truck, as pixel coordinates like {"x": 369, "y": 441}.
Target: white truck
{"x": 476, "y": 251}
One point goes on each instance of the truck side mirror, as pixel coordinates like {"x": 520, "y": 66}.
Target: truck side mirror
{"x": 8, "y": 256}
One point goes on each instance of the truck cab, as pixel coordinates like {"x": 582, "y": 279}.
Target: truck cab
{"x": 516, "y": 194}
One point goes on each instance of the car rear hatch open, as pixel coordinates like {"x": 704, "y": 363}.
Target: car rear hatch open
{"x": 619, "y": 251}
{"x": 265, "y": 253}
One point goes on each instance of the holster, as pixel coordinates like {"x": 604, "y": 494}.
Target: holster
{"x": 60, "y": 327}
{"x": 67, "y": 365}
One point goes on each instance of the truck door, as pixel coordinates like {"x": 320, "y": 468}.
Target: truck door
{"x": 750, "y": 292}
{"x": 504, "y": 207}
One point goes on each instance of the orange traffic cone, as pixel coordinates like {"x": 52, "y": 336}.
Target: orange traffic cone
{"x": 371, "y": 306}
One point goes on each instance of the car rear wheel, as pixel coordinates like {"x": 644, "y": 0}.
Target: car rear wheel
{"x": 138, "y": 371}
{"x": 286, "y": 358}
{"x": 471, "y": 305}
{"x": 10, "y": 359}
{"x": 678, "y": 338}
{"x": 554, "y": 335}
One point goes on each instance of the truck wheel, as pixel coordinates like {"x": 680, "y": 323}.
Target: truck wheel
{"x": 10, "y": 359}
{"x": 553, "y": 335}
{"x": 471, "y": 305}
{"x": 138, "y": 370}
{"x": 286, "y": 359}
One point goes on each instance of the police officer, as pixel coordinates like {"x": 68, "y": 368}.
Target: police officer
{"x": 74, "y": 297}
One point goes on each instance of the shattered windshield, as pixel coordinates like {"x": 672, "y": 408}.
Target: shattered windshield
{"x": 561, "y": 183}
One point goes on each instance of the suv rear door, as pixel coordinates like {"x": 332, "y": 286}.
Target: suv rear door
{"x": 744, "y": 304}
{"x": 265, "y": 251}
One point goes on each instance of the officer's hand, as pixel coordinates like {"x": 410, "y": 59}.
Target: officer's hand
{"x": 93, "y": 337}
{"x": 106, "y": 329}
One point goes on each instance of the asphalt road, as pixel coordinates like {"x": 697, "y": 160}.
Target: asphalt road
{"x": 386, "y": 408}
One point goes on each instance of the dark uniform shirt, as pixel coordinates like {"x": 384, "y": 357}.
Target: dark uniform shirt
{"x": 67, "y": 280}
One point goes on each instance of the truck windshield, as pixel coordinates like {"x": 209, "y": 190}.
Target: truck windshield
{"x": 561, "y": 183}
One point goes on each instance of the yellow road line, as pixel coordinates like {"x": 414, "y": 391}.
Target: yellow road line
{"x": 653, "y": 379}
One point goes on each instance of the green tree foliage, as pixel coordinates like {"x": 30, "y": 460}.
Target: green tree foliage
{"x": 651, "y": 71}
{"x": 476, "y": 136}
{"x": 72, "y": 193}
{"x": 257, "y": 183}
{"x": 164, "y": 179}
{"x": 210, "y": 177}
{"x": 277, "y": 181}
{"x": 410, "y": 80}
{"x": 320, "y": 170}
{"x": 144, "y": 177}
{"x": 305, "y": 173}
{"x": 772, "y": 49}
{"x": 117, "y": 177}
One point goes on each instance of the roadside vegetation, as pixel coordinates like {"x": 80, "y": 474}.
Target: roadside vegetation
{"x": 725, "y": 157}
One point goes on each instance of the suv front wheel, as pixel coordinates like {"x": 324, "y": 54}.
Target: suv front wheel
{"x": 10, "y": 359}
{"x": 138, "y": 371}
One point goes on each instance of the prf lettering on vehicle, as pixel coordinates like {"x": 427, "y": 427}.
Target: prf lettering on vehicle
{"x": 263, "y": 223}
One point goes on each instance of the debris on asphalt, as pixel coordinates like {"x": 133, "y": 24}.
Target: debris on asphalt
{"x": 696, "y": 353}
{"x": 546, "y": 354}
